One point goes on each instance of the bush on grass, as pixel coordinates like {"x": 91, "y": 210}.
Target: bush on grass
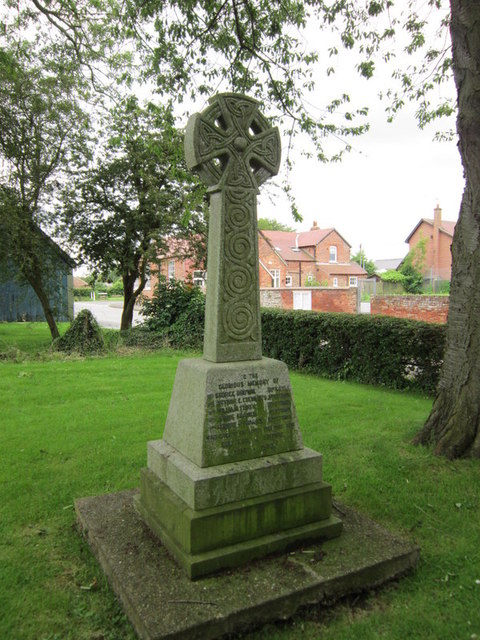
{"x": 177, "y": 312}
{"x": 144, "y": 338}
{"x": 82, "y": 293}
{"x": 10, "y": 353}
{"x": 84, "y": 336}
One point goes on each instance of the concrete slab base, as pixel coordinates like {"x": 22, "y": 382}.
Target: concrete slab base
{"x": 162, "y": 602}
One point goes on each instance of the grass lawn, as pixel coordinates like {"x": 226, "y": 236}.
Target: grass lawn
{"x": 27, "y": 337}
{"x": 78, "y": 427}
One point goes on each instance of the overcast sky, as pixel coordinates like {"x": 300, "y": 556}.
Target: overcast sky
{"x": 395, "y": 175}
{"x": 377, "y": 194}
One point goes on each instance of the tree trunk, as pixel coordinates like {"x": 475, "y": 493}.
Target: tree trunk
{"x": 128, "y": 302}
{"x": 36, "y": 284}
{"x": 130, "y": 295}
{"x": 454, "y": 423}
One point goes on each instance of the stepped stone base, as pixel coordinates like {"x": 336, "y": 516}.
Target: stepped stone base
{"x": 211, "y": 539}
{"x": 205, "y": 487}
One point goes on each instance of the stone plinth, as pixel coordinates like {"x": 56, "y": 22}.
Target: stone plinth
{"x": 231, "y": 481}
{"x": 231, "y": 411}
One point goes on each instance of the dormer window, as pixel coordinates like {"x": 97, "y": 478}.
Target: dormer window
{"x": 333, "y": 253}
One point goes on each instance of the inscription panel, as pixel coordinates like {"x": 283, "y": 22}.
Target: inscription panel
{"x": 249, "y": 417}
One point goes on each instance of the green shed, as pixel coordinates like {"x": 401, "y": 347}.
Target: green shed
{"x": 19, "y": 302}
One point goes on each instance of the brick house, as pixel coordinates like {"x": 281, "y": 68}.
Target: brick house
{"x": 175, "y": 263}
{"x": 315, "y": 257}
{"x": 439, "y": 235}
{"x": 288, "y": 261}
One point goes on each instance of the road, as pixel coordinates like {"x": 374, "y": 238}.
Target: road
{"x": 107, "y": 313}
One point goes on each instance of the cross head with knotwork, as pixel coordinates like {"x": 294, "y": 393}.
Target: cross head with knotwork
{"x": 234, "y": 149}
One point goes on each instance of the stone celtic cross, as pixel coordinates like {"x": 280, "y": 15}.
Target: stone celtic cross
{"x": 234, "y": 149}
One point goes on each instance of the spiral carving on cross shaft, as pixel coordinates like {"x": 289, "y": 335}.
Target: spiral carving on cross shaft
{"x": 239, "y": 319}
{"x": 239, "y": 267}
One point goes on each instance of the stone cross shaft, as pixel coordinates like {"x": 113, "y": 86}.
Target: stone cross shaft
{"x": 234, "y": 149}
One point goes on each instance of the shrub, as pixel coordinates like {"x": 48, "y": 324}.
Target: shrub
{"x": 392, "y": 275}
{"x": 84, "y": 336}
{"x": 413, "y": 279}
{"x": 116, "y": 289}
{"x": 142, "y": 336}
{"x": 83, "y": 293}
{"x": 177, "y": 311}
{"x": 444, "y": 287}
{"x": 403, "y": 354}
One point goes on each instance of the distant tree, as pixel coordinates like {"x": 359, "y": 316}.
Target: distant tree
{"x": 412, "y": 267}
{"x": 270, "y": 224}
{"x": 119, "y": 211}
{"x": 361, "y": 259}
{"x": 409, "y": 272}
{"x": 392, "y": 275}
{"x": 42, "y": 137}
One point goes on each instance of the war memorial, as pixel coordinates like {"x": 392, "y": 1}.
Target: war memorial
{"x": 233, "y": 525}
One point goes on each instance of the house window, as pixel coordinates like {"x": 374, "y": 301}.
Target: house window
{"x": 308, "y": 280}
{"x": 199, "y": 278}
{"x": 148, "y": 284}
{"x": 333, "y": 253}
{"x": 276, "y": 278}
{"x": 288, "y": 281}
{"x": 171, "y": 270}
{"x": 335, "y": 282}
{"x": 352, "y": 281}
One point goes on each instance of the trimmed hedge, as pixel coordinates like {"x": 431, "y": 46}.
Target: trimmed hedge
{"x": 380, "y": 350}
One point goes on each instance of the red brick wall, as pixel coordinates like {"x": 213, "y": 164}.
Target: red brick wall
{"x": 444, "y": 256}
{"x": 337, "y": 300}
{"x": 424, "y": 231}
{"x": 426, "y": 308}
{"x": 325, "y": 300}
{"x": 323, "y": 276}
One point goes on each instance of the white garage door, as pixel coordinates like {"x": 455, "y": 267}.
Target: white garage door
{"x": 302, "y": 300}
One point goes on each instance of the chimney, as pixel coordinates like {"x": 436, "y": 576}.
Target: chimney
{"x": 315, "y": 226}
{"x": 437, "y": 217}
